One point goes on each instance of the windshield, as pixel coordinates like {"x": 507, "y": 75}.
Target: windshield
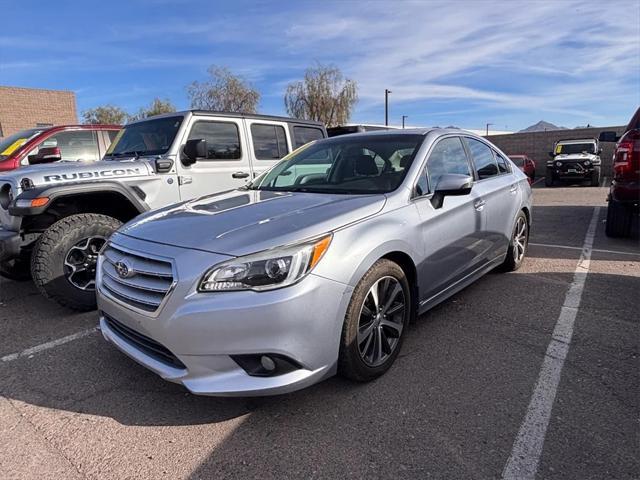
{"x": 10, "y": 144}
{"x": 573, "y": 148}
{"x": 519, "y": 161}
{"x": 357, "y": 164}
{"x": 151, "y": 137}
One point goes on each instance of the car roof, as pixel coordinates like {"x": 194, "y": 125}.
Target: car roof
{"x": 581, "y": 140}
{"x": 414, "y": 131}
{"x": 214, "y": 113}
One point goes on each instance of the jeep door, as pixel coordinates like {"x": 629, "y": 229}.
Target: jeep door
{"x": 269, "y": 141}
{"x": 452, "y": 233}
{"x": 227, "y": 163}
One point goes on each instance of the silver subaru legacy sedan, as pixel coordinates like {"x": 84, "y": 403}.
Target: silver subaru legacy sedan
{"x": 316, "y": 267}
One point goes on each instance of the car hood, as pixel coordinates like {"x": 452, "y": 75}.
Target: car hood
{"x": 65, "y": 172}
{"x": 247, "y": 221}
{"x": 576, "y": 156}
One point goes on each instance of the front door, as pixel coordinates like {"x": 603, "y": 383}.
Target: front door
{"x": 451, "y": 234}
{"x": 227, "y": 164}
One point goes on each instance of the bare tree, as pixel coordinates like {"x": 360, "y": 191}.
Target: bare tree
{"x": 224, "y": 92}
{"x": 157, "y": 107}
{"x": 323, "y": 95}
{"x": 106, "y": 114}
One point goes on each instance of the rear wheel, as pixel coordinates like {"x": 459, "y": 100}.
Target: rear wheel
{"x": 518, "y": 245}
{"x": 63, "y": 262}
{"x": 619, "y": 219}
{"x": 375, "y": 323}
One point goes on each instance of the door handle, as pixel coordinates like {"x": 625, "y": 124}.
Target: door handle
{"x": 240, "y": 175}
{"x": 514, "y": 188}
{"x": 479, "y": 205}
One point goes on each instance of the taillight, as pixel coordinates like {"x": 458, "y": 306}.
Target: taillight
{"x": 626, "y": 159}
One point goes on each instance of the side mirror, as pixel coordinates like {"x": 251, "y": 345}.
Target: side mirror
{"x": 451, "y": 184}
{"x": 608, "y": 136}
{"x": 193, "y": 150}
{"x": 46, "y": 155}
{"x": 551, "y": 154}
{"x": 599, "y": 151}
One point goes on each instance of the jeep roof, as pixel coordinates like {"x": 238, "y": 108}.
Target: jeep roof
{"x": 214, "y": 113}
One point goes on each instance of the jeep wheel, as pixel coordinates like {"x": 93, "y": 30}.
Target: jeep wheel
{"x": 16, "y": 269}
{"x": 63, "y": 262}
{"x": 618, "y": 220}
{"x": 595, "y": 177}
{"x": 549, "y": 180}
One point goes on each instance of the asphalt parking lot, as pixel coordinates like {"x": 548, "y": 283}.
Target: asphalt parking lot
{"x": 453, "y": 405}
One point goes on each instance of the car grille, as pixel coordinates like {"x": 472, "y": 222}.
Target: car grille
{"x": 144, "y": 343}
{"x": 147, "y": 284}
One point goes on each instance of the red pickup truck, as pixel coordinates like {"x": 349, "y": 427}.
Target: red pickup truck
{"x": 624, "y": 194}
{"x": 51, "y": 144}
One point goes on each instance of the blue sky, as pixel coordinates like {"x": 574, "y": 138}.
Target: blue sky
{"x": 462, "y": 63}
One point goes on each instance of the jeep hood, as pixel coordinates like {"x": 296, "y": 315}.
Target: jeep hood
{"x": 247, "y": 221}
{"x": 575, "y": 156}
{"x": 64, "y": 172}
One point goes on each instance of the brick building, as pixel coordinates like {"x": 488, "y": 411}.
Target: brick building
{"x": 22, "y": 108}
{"x": 537, "y": 145}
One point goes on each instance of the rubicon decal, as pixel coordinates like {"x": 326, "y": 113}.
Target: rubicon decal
{"x": 119, "y": 172}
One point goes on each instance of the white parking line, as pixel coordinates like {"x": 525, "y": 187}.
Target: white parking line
{"x": 538, "y": 180}
{"x": 48, "y": 345}
{"x": 599, "y": 250}
{"x": 527, "y": 447}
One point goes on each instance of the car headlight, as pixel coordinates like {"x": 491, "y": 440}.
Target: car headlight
{"x": 587, "y": 163}
{"x": 275, "y": 268}
{"x": 558, "y": 164}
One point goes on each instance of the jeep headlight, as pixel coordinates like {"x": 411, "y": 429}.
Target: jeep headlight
{"x": 274, "y": 268}
{"x": 587, "y": 163}
{"x": 558, "y": 164}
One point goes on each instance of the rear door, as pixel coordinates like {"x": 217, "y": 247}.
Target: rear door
{"x": 268, "y": 142}
{"x": 228, "y": 162}
{"x": 499, "y": 194}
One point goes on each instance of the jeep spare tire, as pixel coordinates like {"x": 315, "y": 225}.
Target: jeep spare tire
{"x": 63, "y": 262}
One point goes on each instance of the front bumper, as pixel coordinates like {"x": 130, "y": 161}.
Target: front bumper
{"x": 572, "y": 172}
{"x": 203, "y": 331}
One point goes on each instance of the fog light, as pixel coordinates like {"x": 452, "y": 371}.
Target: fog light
{"x": 267, "y": 363}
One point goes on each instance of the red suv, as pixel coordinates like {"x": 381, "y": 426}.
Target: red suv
{"x": 624, "y": 193}
{"x": 525, "y": 164}
{"x": 52, "y": 144}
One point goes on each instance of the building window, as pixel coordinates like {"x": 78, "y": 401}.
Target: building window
{"x": 40, "y": 125}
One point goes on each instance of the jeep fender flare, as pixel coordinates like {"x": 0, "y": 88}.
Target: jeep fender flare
{"x": 55, "y": 192}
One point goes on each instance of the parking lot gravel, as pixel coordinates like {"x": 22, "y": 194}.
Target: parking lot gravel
{"x": 452, "y": 406}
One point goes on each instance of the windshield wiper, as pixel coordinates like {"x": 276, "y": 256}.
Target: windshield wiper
{"x": 135, "y": 153}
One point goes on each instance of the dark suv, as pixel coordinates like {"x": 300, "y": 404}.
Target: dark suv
{"x": 624, "y": 193}
{"x": 51, "y": 144}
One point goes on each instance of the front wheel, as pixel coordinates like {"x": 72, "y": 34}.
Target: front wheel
{"x": 375, "y": 323}
{"x": 63, "y": 262}
{"x": 619, "y": 219}
{"x": 595, "y": 177}
{"x": 518, "y": 245}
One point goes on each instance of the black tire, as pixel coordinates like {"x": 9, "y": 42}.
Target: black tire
{"x": 350, "y": 362}
{"x": 51, "y": 275}
{"x": 549, "y": 180}
{"x": 515, "y": 256}
{"x": 595, "y": 177}
{"x": 619, "y": 219}
{"x": 17, "y": 269}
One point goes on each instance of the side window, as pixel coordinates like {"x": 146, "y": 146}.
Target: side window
{"x": 269, "y": 141}
{"x": 223, "y": 139}
{"x": 81, "y": 145}
{"x": 503, "y": 165}
{"x": 482, "y": 155}
{"x": 112, "y": 134}
{"x": 304, "y": 135}
{"x": 447, "y": 156}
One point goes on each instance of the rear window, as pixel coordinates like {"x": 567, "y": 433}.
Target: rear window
{"x": 302, "y": 135}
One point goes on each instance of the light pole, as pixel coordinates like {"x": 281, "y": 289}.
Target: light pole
{"x": 386, "y": 106}
{"x": 488, "y": 128}
{"x": 403, "y": 117}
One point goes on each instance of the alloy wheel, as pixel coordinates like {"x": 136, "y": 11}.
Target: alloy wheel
{"x": 381, "y": 321}
{"x": 80, "y": 263}
{"x": 520, "y": 239}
